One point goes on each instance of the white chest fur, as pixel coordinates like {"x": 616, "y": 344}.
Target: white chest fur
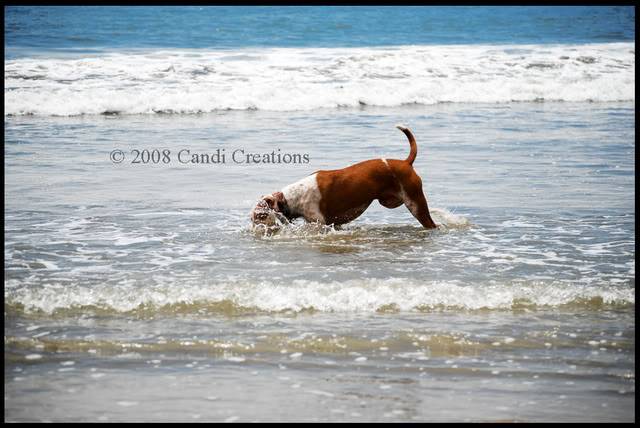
{"x": 303, "y": 198}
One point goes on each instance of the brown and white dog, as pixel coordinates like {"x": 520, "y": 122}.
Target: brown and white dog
{"x": 341, "y": 195}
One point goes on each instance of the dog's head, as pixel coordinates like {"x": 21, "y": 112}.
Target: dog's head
{"x": 269, "y": 209}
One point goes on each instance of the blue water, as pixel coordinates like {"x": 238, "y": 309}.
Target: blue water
{"x": 29, "y": 29}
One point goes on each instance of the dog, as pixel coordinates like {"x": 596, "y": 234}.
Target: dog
{"x": 339, "y": 196}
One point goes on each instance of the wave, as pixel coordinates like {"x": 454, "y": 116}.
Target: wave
{"x": 291, "y": 79}
{"x": 352, "y": 296}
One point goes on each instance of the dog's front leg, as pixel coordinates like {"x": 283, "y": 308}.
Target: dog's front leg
{"x": 416, "y": 202}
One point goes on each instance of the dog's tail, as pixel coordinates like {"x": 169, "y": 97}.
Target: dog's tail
{"x": 412, "y": 142}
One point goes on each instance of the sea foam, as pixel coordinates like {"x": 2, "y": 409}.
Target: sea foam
{"x": 290, "y": 79}
{"x": 364, "y": 295}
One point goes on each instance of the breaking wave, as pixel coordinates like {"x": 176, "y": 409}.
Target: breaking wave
{"x": 291, "y": 79}
{"x": 357, "y": 296}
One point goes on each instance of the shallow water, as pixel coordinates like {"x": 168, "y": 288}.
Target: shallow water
{"x": 140, "y": 292}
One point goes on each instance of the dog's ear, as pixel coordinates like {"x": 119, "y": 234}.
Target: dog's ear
{"x": 275, "y": 201}
{"x": 279, "y": 201}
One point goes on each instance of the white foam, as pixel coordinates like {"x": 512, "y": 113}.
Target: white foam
{"x": 446, "y": 217}
{"x": 365, "y": 295}
{"x": 33, "y": 357}
{"x": 48, "y": 264}
{"x": 309, "y": 78}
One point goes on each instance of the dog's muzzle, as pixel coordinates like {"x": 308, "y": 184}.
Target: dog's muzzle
{"x": 263, "y": 214}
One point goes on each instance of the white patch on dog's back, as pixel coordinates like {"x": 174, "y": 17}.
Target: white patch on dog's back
{"x": 303, "y": 198}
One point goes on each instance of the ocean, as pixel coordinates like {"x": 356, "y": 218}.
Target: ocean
{"x": 138, "y": 139}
